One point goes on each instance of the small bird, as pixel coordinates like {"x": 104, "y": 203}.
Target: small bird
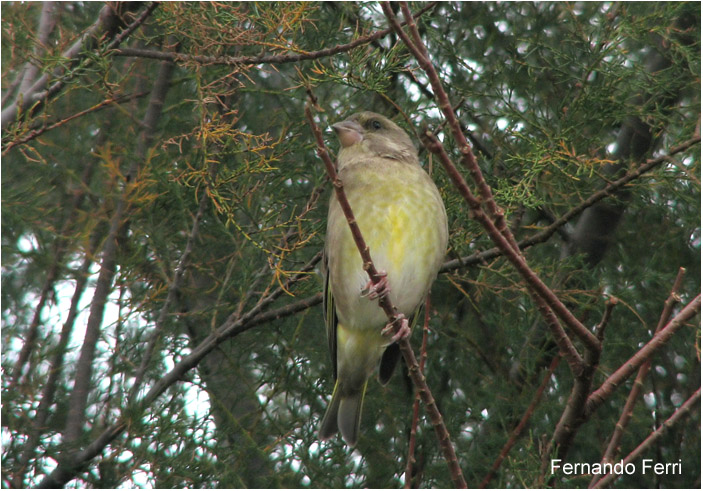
{"x": 402, "y": 218}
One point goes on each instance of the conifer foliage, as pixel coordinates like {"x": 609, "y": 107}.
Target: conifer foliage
{"x": 163, "y": 214}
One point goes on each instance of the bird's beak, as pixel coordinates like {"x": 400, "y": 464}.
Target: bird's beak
{"x": 349, "y": 132}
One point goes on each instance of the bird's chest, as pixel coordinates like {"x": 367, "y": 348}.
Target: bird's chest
{"x": 395, "y": 218}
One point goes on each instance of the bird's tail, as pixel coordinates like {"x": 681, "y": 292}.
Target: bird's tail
{"x": 343, "y": 415}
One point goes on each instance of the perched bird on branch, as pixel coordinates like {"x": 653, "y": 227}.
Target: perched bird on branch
{"x": 402, "y": 219}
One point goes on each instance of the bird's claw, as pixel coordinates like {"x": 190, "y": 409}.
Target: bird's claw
{"x": 375, "y": 290}
{"x": 403, "y": 331}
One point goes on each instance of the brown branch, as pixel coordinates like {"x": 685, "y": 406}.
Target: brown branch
{"x": 628, "y": 368}
{"x": 419, "y": 51}
{"x": 573, "y": 416}
{"x": 498, "y": 231}
{"x": 415, "y": 373}
{"x": 614, "y": 444}
{"x": 259, "y": 60}
{"x": 521, "y": 425}
{"x": 607, "y": 313}
{"x": 691, "y": 403}
{"x": 566, "y": 347}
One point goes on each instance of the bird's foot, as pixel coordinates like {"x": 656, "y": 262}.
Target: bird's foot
{"x": 403, "y": 331}
{"x": 375, "y": 290}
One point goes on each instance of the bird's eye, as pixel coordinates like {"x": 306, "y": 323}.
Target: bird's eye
{"x": 375, "y": 124}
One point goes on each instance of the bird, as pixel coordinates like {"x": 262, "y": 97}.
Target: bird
{"x": 402, "y": 219}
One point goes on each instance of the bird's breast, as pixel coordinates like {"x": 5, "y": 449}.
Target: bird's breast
{"x": 402, "y": 219}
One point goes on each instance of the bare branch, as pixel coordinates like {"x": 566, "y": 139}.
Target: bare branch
{"x": 566, "y": 347}
{"x": 628, "y": 368}
{"x": 498, "y": 231}
{"x": 573, "y": 415}
{"x": 521, "y": 425}
{"x": 626, "y": 414}
{"x": 691, "y": 403}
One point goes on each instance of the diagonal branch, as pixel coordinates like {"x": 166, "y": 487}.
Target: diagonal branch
{"x": 633, "y": 397}
{"x": 566, "y": 347}
{"x": 544, "y": 234}
{"x": 691, "y": 404}
{"x": 599, "y": 396}
{"x": 497, "y": 229}
{"x": 40, "y": 130}
{"x": 172, "y": 291}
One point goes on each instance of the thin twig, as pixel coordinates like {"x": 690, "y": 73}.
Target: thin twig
{"x": 628, "y": 368}
{"x": 44, "y": 128}
{"x": 522, "y": 424}
{"x": 607, "y": 313}
{"x": 609, "y": 190}
{"x": 633, "y": 397}
{"x": 691, "y": 403}
{"x": 173, "y": 289}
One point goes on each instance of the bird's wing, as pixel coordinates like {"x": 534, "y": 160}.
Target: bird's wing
{"x": 330, "y": 314}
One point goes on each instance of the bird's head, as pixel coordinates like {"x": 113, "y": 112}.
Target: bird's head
{"x": 375, "y": 135}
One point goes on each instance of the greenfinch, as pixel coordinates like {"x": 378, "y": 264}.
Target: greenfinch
{"x": 402, "y": 218}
